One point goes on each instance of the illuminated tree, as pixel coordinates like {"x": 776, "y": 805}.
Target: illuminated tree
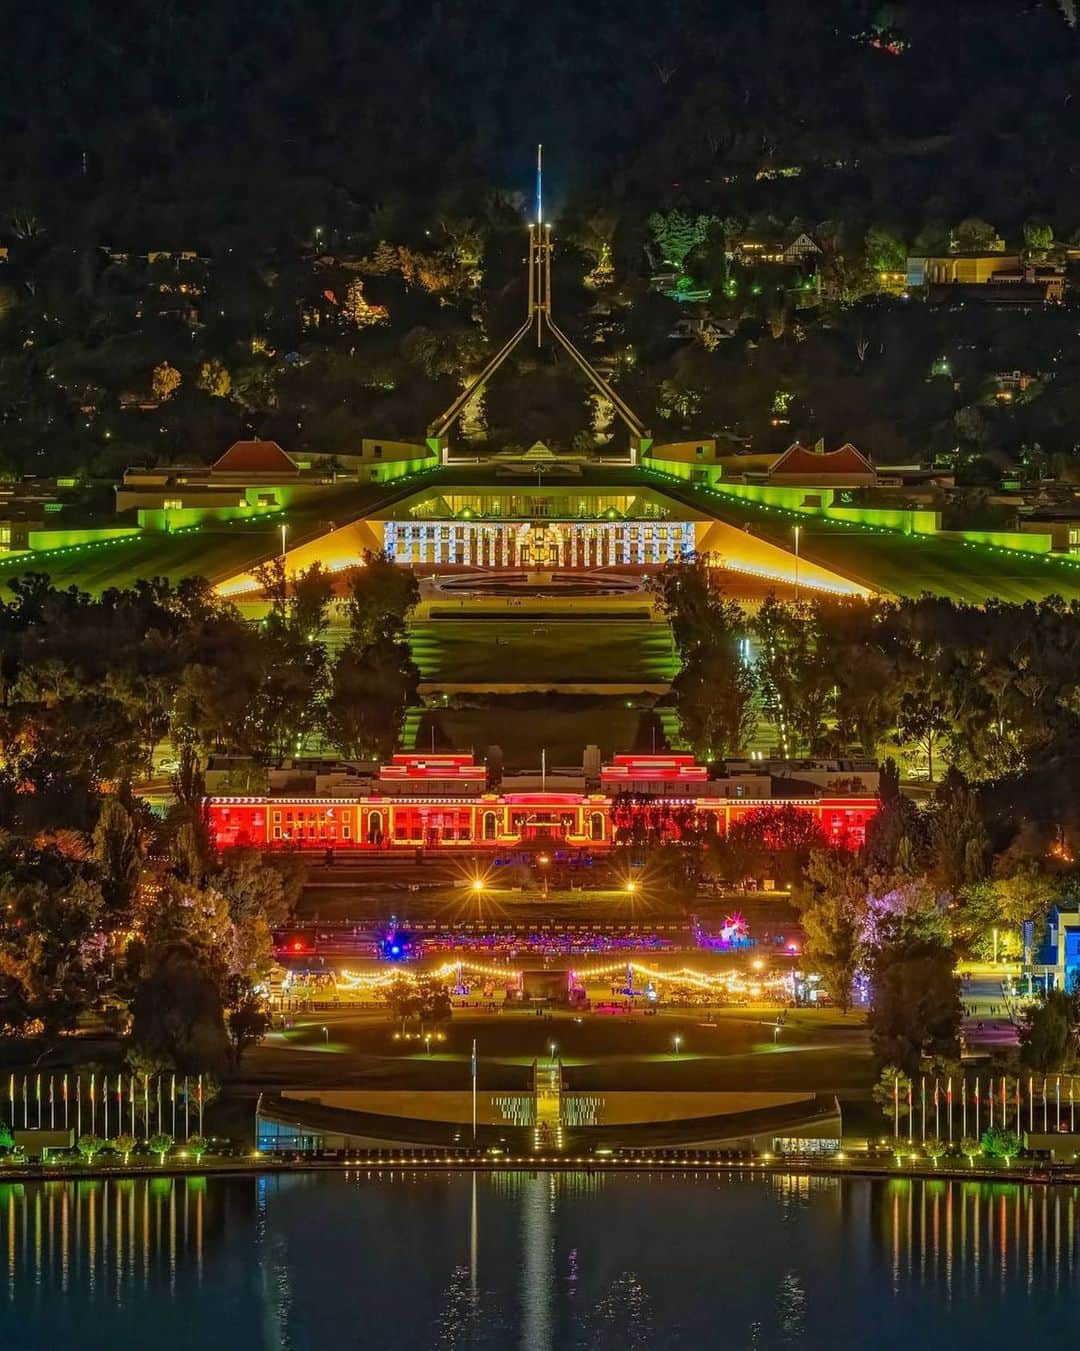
{"x": 124, "y": 1144}
{"x": 160, "y": 1144}
{"x": 936, "y": 1149}
{"x": 970, "y": 1148}
{"x": 973, "y": 235}
{"x": 165, "y": 383}
{"x": 88, "y": 1146}
{"x": 832, "y": 908}
{"x": 677, "y": 234}
{"x": 384, "y": 261}
{"x": 215, "y": 379}
{"x": 892, "y": 1093}
{"x": 357, "y": 311}
{"x": 603, "y": 417}
{"x": 1001, "y": 1144}
{"x": 885, "y": 250}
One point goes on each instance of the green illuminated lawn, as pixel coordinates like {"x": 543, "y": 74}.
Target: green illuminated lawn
{"x": 898, "y": 564}
{"x": 564, "y": 650}
{"x": 214, "y": 550}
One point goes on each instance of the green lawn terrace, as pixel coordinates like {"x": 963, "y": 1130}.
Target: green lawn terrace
{"x": 214, "y": 549}
{"x": 530, "y": 653}
{"x": 890, "y": 561}
{"x": 882, "y": 559}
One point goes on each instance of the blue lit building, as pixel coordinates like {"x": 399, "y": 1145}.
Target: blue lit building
{"x": 1055, "y": 957}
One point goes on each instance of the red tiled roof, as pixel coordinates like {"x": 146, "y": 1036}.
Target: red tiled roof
{"x": 255, "y": 457}
{"x": 797, "y": 459}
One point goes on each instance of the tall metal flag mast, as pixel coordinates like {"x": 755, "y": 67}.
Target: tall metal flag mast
{"x": 538, "y": 317}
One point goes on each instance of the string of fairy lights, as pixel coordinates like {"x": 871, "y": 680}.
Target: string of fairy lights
{"x": 725, "y": 983}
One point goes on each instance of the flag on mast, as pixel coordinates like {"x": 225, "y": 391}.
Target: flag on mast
{"x": 539, "y": 185}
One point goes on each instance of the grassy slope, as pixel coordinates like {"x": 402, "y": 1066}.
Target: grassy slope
{"x": 214, "y": 551}
{"x": 904, "y": 565}
{"x": 569, "y": 650}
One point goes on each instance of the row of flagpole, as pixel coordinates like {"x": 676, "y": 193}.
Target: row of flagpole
{"x": 54, "y": 1102}
{"x": 1002, "y": 1099}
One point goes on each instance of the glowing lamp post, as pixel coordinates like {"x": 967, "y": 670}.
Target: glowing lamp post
{"x": 631, "y": 887}
{"x": 796, "y": 530}
{"x": 676, "y": 1041}
{"x": 552, "y": 1047}
{"x": 427, "y": 1041}
{"x": 478, "y": 884}
{"x": 543, "y": 861}
{"x": 326, "y": 1036}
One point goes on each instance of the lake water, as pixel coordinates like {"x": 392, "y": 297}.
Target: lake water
{"x": 546, "y": 1262}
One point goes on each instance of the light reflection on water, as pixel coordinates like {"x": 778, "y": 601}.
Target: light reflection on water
{"x": 542, "y": 1262}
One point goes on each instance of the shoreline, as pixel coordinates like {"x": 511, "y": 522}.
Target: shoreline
{"x": 1031, "y": 1174}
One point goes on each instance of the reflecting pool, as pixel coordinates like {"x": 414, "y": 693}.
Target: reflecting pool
{"x": 408, "y": 1261}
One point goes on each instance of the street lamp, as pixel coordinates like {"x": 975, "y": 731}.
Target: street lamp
{"x": 631, "y": 887}
{"x": 676, "y": 1041}
{"x": 543, "y": 861}
{"x": 284, "y": 532}
{"x": 427, "y": 1041}
{"x": 796, "y": 530}
{"x": 478, "y": 884}
{"x": 326, "y": 1036}
{"x": 552, "y": 1048}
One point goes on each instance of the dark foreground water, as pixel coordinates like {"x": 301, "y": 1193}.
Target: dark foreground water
{"x": 544, "y": 1263}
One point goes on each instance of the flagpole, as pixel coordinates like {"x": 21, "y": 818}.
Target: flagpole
{"x": 474, "y": 1090}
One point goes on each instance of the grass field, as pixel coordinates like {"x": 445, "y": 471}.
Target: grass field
{"x": 895, "y": 563}
{"x": 819, "y": 1051}
{"x": 527, "y": 650}
{"x": 562, "y": 725}
{"x": 215, "y": 550}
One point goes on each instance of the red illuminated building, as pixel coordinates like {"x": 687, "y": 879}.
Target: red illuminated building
{"x": 444, "y": 802}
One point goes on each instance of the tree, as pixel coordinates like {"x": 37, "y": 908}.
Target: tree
{"x": 714, "y": 696}
{"x": 677, "y": 234}
{"x": 177, "y": 1011}
{"x": 88, "y": 1146}
{"x": 973, "y": 235}
{"x": 923, "y": 721}
{"x": 198, "y": 1145}
{"x": 971, "y": 1148}
{"x": 117, "y": 850}
{"x": 885, "y": 250}
{"x": 1048, "y": 1033}
{"x": 7, "y": 1137}
{"x": 370, "y": 690}
{"x": 160, "y": 1144}
{"x": 51, "y": 917}
{"x": 247, "y": 1026}
{"x": 896, "y": 834}
{"x": 215, "y": 379}
{"x": 1038, "y": 236}
{"x": 892, "y": 1093}
{"x": 936, "y": 1149}
{"x": 958, "y": 836}
{"x": 420, "y": 998}
{"x": 381, "y": 598}
{"x": 998, "y": 1143}
{"x": 124, "y": 1144}
{"x": 165, "y": 382}
{"x": 915, "y": 1002}
{"x": 833, "y": 910}
{"x": 357, "y": 311}
{"x": 794, "y": 671}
